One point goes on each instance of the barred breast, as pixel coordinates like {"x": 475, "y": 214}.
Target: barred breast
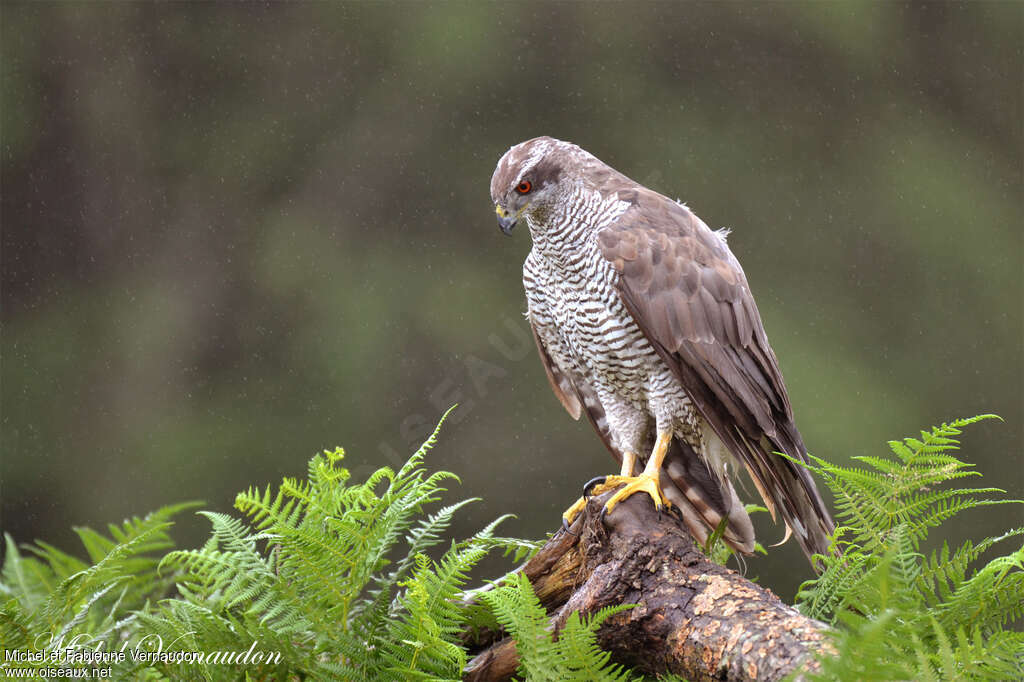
{"x": 579, "y": 315}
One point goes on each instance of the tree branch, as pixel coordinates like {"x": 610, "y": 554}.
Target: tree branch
{"x": 692, "y": 617}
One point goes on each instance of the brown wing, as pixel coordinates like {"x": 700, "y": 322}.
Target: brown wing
{"x": 688, "y": 294}
{"x": 701, "y": 498}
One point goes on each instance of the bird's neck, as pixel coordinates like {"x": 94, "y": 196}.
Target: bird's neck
{"x": 558, "y": 244}
{"x": 561, "y": 235}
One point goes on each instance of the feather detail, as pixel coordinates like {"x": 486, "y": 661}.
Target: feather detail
{"x": 712, "y": 338}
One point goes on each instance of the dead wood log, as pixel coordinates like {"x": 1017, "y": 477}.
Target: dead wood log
{"x": 692, "y": 617}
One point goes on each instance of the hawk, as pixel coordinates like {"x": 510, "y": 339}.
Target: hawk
{"x": 645, "y": 323}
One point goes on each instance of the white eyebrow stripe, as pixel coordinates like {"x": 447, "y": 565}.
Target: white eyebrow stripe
{"x": 532, "y": 160}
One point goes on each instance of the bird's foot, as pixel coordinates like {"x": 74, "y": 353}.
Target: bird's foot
{"x": 595, "y": 486}
{"x": 625, "y": 486}
{"x": 602, "y": 484}
{"x": 645, "y": 482}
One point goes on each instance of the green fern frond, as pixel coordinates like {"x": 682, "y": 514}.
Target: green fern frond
{"x": 574, "y": 655}
{"x": 903, "y": 616}
{"x": 516, "y": 549}
{"x": 583, "y": 657}
{"x": 50, "y": 597}
{"x": 517, "y": 609}
{"x": 901, "y": 492}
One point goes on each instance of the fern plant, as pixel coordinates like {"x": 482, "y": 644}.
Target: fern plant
{"x": 320, "y": 579}
{"x": 316, "y": 577}
{"x": 902, "y": 615}
{"x": 574, "y": 656}
{"x": 49, "y": 598}
{"x": 329, "y": 579}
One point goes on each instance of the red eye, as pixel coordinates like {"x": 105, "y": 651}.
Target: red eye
{"x": 524, "y": 187}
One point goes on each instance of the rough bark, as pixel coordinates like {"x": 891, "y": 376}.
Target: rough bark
{"x": 692, "y": 617}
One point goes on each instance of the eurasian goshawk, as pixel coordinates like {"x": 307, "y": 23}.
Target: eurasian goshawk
{"x": 645, "y": 323}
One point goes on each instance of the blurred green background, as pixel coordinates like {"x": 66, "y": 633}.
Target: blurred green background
{"x": 234, "y": 235}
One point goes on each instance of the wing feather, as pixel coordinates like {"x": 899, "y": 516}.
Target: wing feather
{"x": 688, "y": 294}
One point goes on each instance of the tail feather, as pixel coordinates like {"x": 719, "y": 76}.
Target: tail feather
{"x": 788, "y": 490}
{"x": 704, "y": 499}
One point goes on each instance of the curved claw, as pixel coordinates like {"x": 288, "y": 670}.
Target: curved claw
{"x": 589, "y": 486}
{"x": 565, "y": 527}
{"x": 572, "y": 512}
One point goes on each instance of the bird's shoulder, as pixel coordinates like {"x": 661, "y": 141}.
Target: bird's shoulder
{"x": 660, "y": 244}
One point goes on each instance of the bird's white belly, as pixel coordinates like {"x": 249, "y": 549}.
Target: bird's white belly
{"x": 590, "y": 335}
{"x": 593, "y": 334}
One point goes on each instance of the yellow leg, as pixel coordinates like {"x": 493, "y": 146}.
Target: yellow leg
{"x": 609, "y": 483}
{"x": 648, "y": 481}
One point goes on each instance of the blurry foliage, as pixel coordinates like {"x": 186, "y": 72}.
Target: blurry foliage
{"x": 232, "y": 233}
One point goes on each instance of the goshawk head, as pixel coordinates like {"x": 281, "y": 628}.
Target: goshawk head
{"x": 532, "y": 176}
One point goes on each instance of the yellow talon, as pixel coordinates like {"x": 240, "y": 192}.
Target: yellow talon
{"x": 645, "y": 482}
{"x": 603, "y": 484}
{"x": 572, "y": 512}
{"x": 598, "y": 486}
{"x": 627, "y": 484}
{"x": 648, "y": 481}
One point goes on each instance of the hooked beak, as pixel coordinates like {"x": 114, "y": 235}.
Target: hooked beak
{"x": 506, "y": 220}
